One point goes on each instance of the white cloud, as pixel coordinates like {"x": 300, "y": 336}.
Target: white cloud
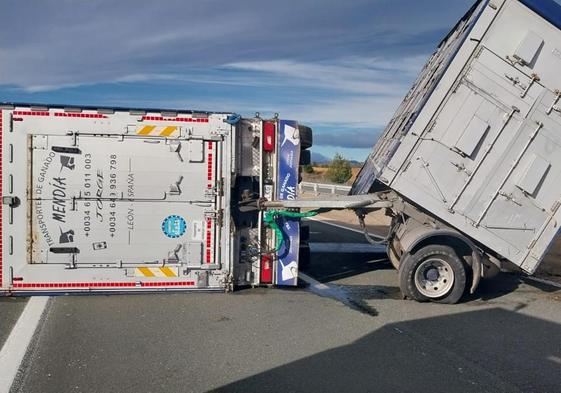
{"x": 48, "y": 44}
{"x": 356, "y": 75}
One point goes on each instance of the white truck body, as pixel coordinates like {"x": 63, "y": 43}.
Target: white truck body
{"x": 133, "y": 200}
{"x": 476, "y": 144}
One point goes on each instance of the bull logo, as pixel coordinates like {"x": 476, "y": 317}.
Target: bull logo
{"x": 66, "y": 237}
{"x": 67, "y": 162}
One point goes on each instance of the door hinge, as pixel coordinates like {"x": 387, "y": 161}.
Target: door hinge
{"x": 217, "y": 190}
{"x": 215, "y": 215}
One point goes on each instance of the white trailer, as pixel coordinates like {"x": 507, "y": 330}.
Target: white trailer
{"x": 473, "y": 154}
{"x": 469, "y": 168}
{"x": 115, "y": 199}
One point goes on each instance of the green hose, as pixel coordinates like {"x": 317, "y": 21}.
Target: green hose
{"x": 270, "y": 219}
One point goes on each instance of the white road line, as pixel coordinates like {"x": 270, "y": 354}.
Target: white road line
{"x": 332, "y": 291}
{"x": 347, "y": 248}
{"x": 314, "y": 284}
{"x": 343, "y": 227}
{"x": 15, "y": 347}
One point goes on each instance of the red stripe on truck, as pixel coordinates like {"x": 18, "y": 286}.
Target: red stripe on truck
{"x": 208, "y": 247}
{"x": 178, "y": 119}
{"x": 30, "y": 113}
{"x": 166, "y": 283}
{"x": 103, "y": 284}
{"x": 210, "y": 164}
{"x": 60, "y": 114}
{"x": 81, "y": 115}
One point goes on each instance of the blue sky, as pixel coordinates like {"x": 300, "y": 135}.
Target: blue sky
{"x": 341, "y": 67}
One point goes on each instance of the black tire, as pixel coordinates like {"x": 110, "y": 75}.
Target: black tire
{"x": 304, "y": 233}
{"x": 444, "y": 289}
{"x": 306, "y": 137}
{"x": 305, "y": 157}
{"x": 305, "y": 256}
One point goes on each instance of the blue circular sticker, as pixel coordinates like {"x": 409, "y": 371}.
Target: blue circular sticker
{"x": 174, "y": 226}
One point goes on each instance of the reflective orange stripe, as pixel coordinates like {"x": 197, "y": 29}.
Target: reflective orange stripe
{"x": 168, "y": 131}
{"x": 146, "y": 130}
{"x": 167, "y": 272}
{"x": 146, "y": 272}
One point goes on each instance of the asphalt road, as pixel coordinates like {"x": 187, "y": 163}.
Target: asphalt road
{"x": 10, "y": 310}
{"x": 351, "y": 333}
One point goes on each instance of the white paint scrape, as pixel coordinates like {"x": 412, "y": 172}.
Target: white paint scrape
{"x": 15, "y": 347}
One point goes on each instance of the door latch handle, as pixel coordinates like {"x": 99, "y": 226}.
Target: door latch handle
{"x": 12, "y": 201}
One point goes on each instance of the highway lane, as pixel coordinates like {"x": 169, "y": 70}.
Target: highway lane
{"x": 351, "y": 333}
{"x": 10, "y": 310}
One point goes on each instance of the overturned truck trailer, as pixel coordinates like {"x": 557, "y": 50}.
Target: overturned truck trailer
{"x": 100, "y": 199}
{"x": 472, "y": 159}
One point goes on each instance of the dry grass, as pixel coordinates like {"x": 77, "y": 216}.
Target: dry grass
{"x": 319, "y": 175}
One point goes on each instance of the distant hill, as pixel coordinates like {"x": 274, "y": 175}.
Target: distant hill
{"x": 355, "y": 163}
{"x": 318, "y": 158}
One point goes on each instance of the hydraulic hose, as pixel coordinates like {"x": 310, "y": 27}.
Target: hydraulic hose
{"x": 270, "y": 219}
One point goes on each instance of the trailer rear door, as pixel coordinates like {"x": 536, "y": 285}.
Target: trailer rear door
{"x": 137, "y": 208}
{"x": 118, "y": 201}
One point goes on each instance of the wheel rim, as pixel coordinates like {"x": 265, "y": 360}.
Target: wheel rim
{"x": 434, "y": 278}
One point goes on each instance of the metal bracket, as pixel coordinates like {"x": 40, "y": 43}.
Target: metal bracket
{"x": 554, "y": 106}
{"x": 535, "y": 78}
{"x": 215, "y": 215}
{"x": 173, "y": 256}
{"x": 175, "y": 189}
{"x": 74, "y": 136}
{"x": 425, "y": 166}
{"x": 515, "y": 81}
{"x": 12, "y": 201}
{"x": 210, "y": 193}
{"x": 509, "y": 197}
{"x": 175, "y": 147}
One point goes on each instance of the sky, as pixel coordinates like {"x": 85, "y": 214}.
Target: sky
{"x": 340, "y": 67}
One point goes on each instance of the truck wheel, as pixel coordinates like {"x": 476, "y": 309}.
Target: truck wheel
{"x": 305, "y": 157}
{"x": 306, "y": 137}
{"x": 304, "y": 257}
{"x": 304, "y": 233}
{"x": 433, "y": 273}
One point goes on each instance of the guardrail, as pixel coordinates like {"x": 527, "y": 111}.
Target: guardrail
{"x": 319, "y": 188}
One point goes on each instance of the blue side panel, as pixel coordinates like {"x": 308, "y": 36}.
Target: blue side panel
{"x": 550, "y": 10}
{"x": 289, "y": 160}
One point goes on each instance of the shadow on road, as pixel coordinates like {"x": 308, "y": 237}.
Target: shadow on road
{"x": 491, "y": 350}
{"x": 505, "y": 283}
{"x": 328, "y": 267}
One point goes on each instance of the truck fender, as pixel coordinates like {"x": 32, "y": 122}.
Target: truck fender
{"x": 411, "y": 239}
